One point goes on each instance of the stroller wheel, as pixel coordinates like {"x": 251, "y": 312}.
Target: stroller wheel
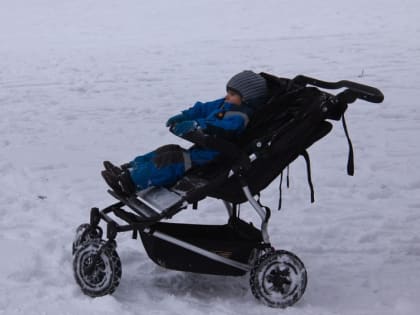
{"x": 278, "y": 279}
{"x": 97, "y": 268}
{"x": 85, "y": 232}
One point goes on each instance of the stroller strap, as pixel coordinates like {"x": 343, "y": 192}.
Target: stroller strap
{"x": 305, "y": 155}
{"x": 350, "y": 161}
{"x": 280, "y": 184}
{"x": 308, "y": 171}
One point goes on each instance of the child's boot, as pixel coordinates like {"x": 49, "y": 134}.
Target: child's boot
{"x": 115, "y": 170}
{"x": 127, "y": 183}
{"x": 112, "y": 181}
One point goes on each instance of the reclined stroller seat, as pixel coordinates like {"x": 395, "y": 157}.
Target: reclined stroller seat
{"x": 280, "y": 131}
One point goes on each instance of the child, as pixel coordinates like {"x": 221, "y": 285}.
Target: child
{"x": 226, "y": 117}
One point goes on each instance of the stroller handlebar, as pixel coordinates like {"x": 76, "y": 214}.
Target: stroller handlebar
{"x": 361, "y": 91}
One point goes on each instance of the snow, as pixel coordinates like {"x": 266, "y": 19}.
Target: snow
{"x": 83, "y": 81}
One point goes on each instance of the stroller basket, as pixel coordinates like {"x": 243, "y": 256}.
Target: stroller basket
{"x": 233, "y": 241}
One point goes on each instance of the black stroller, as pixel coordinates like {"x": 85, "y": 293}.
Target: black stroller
{"x": 292, "y": 120}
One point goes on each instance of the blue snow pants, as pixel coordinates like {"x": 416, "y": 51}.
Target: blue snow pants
{"x": 167, "y": 164}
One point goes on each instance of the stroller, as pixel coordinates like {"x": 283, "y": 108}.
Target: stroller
{"x": 281, "y": 130}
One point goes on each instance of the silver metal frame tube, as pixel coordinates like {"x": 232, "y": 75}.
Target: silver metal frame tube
{"x": 228, "y": 208}
{"x": 261, "y": 212}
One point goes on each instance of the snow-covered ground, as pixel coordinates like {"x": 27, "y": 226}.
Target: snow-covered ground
{"x": 82, "y": 81}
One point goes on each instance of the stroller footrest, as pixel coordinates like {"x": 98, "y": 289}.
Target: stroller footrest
{"x": 152, "y": 203}
{"x": 158, "y": 198}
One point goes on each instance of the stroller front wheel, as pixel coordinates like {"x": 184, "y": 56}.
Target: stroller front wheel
{"x": 84, "y": 233}
{"x": 97, "y": 268}
{"x": 278, "y": 279}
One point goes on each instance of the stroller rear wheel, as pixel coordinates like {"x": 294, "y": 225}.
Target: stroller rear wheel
{"x": 278, "y": 279}
{"x": 97, "y": 268}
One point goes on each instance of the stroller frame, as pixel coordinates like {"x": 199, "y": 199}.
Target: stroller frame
{"x": 277, "y": 278}
{"x": 147, "y": 214}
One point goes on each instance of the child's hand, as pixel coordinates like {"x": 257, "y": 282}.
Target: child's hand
{"x": 184, "y": 127}
{"x": 176, "y": 119}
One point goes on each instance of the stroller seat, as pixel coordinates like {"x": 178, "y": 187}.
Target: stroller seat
{"x": 281, "y": 130}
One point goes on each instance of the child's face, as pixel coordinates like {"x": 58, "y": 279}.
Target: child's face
{"x": 233, "y": 98}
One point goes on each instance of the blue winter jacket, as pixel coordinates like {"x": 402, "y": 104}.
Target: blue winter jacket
{"x": 217, "y": 118}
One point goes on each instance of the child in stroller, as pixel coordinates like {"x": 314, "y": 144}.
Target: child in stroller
{"x": 280, "y": 130}
{"x": 226, "y": 118}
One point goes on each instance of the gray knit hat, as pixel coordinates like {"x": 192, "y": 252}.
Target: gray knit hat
{"x": 249, "y": 85}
